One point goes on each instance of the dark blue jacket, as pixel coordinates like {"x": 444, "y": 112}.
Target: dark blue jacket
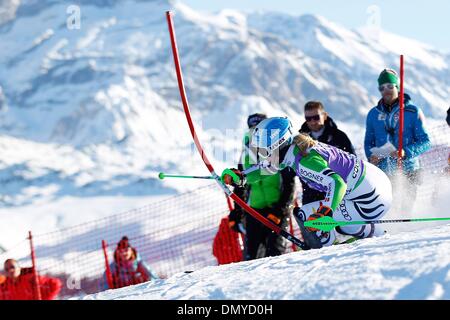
{"x": 383, "y": 126}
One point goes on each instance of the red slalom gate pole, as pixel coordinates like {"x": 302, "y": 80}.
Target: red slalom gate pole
{"x": 401, "y": 117}
{"x": 37, "y": 289}
{"x": 200, "y": 149}
{"x": 108, "y": 270}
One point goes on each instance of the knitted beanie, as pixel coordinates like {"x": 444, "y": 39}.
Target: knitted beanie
{"x": 388, "y": 76}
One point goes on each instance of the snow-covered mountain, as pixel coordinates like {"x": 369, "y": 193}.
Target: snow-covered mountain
{"x": 404, "y": 266}
{"x": 8, "y": 10}
{"x": 95, "y": 110}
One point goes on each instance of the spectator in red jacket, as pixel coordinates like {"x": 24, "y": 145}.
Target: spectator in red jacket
{"x": 20, "y": 284}
{"x": 128, "y": 267}
{"x": 226, "y": 244}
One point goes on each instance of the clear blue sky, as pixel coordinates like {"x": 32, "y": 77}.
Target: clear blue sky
{"x": 424, "y": 20}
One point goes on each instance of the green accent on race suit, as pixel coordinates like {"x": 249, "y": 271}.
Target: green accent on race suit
{"x": 361, "y": 178}
{"x": 315, "y": 162}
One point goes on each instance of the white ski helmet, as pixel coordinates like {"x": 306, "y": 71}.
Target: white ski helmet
{"x": 272, "y": 134}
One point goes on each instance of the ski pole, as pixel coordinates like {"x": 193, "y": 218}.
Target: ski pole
{"x": 163, "y": 175}
{"x": 328, "y": 223}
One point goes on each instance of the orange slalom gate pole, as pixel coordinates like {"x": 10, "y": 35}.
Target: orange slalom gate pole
{"x": 108, "y": 270}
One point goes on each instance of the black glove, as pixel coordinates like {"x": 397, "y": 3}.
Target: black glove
{"x": 234, "y": 219}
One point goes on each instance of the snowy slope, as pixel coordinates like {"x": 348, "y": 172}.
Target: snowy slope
{"x": 404, "y": 266}
{"x": 99, "y": 105}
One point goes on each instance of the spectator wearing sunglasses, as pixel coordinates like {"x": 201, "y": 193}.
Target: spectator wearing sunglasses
{"x": 382, "y": 135}
{"x": 20, "y": 284}
{"x": 321, "y": 127}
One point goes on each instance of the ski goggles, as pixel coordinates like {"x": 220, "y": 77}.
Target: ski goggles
{"x": 389, "y": 86}
{"x": 265, "y": 153}
{"x": 312, "y": 118}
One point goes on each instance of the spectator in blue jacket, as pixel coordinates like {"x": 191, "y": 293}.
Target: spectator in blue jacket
{"x": 382, "y": 134}
{"x": 128, "y": 268}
